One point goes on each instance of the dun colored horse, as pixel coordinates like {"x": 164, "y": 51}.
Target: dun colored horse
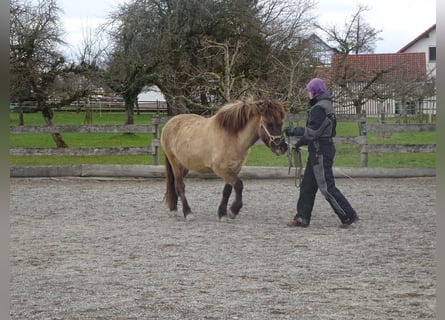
{"x": 218, "y": 144}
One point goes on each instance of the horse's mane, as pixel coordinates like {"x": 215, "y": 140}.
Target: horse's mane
{"x": 235, "y": 115}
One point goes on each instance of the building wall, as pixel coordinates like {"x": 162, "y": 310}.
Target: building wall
{"x": 151, "y": 94}
{"x": 423, "y": 45}
{"x": 391, "y": 107}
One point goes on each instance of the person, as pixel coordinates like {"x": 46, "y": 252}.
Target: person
{"x": 318, "y": 174}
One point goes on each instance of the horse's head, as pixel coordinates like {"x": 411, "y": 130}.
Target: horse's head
{"x": 271, "y": 121}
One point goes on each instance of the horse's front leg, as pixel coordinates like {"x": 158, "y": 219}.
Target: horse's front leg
{"x": 238, "y": 202}
{"x": 222, "y": 208}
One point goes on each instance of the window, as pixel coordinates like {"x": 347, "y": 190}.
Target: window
{"x": 409, "y": 108}
{"x": 432, "y": 54}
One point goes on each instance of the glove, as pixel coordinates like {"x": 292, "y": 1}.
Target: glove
{"x": 297, "y": 145}
{"x": 297, "y": 131}
{"x": 289, "y": 131}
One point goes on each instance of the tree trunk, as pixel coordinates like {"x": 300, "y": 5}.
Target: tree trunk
{"x": 129, "y": 110}
{"x": 57, "y": 137}
{"x": 178, "y": 103}
{"x": 129, "y": 116}
{"x": 405, "y": 111}
{"x": 88, "y": 113}
{"x": 138, "y": 111}
{"x": 362, "y": 124}
{"x": 21, "y": 119}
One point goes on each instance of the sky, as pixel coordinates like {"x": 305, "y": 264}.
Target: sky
{"x": 400, "y": 21}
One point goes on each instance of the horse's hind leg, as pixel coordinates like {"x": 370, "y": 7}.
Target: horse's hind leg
{"x": 238, "y": 202}
{"x": 180, "y": 191}
{"x": 222, "y": 209}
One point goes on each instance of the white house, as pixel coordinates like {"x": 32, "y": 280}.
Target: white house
{"x": 415, "y": 61}
{"x": 359, "y": 70}
{"x": 151, "y": 99}
{"x": 151, "y": 94}
{"x": 425, "y": 42}
{"x": 321, "y": 50}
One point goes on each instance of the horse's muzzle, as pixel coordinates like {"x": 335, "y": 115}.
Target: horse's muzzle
{"x": 282, "y": 147}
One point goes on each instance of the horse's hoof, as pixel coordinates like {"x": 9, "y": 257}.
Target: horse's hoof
{"x": 189, "y": 217}
{"x": 223, "y": 218}
{"x": 232, "y": 215}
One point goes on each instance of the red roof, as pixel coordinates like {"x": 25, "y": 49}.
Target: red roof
{"x": 364, "y": 67}
{"x": 421, "y": 36}
{"x": 324, "y": 73}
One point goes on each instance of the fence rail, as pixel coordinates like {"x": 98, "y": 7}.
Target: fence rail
{"x": 152, "y": 149}
{"x": 116, "y": 151}
{"x": 86, "y": 129}
{"x": 153, "y": 128}
{"x": 98, "y": 106}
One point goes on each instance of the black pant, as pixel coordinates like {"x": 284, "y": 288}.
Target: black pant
{"x": 318, "y": 174}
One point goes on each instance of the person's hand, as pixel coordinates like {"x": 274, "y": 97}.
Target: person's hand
{"x": 297, "y": 145}
{"x": 289, "y": 131}
{"x": 299, "y": 131}
{"x": 296, "y": 148}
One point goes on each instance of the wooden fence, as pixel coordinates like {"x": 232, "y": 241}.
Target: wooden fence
{"x": 153, "y": 128}
{"x": 365, "y": 128}
{"x": 154, "y": 106}
{"x": 152, "y": 149}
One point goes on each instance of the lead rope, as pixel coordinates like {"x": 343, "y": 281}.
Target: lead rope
{"x": 298, "y": 168}
{"x": 294, "y": 159}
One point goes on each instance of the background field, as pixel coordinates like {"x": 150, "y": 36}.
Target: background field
{"x": 347, "y": 155}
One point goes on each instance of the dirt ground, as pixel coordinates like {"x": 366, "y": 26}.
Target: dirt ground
{"x": 86, "y": 248}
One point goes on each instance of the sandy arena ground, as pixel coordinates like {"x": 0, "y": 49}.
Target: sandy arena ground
{"x": 86, "y": 248}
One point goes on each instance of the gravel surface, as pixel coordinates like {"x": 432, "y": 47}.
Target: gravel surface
{"x": 90, "y": 248}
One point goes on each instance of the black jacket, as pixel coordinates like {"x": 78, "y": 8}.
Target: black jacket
{"x": 321, "y": 122}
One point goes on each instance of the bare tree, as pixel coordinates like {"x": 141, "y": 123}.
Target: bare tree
{"x": 356, "y": 36}
{"x": 38, "y": 70}
{"x": 229, "y": 54}
{"x": 201, "y": 53}
{"x": 350, "y": 84}
{"x": 91, "y": 56}
{"x": 288, "y": 25}
{"x": 292, "y": 69}
{"x": 214, "y": 49}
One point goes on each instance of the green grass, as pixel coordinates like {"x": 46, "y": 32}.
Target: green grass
{"x": 260, "y": 155}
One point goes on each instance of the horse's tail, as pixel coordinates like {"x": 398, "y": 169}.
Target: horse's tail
{"x": 170, "y": 197}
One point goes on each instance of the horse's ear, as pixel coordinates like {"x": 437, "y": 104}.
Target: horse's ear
{"x": 262, "y": 104}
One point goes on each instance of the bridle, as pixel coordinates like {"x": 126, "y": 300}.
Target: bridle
{"x": 272, "y": 139}
{"x": 295, "y": 153}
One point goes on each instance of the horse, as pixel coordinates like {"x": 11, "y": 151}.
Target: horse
{"x": 219, "y": 145}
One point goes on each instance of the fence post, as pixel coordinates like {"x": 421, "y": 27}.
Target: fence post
{"x": 155, "y": 123}
{"x": 364, "y": 143}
